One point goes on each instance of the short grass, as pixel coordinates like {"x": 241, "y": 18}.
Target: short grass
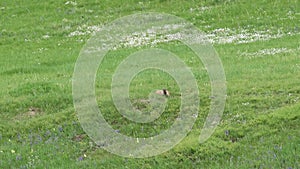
{"x": 38, "y": 124}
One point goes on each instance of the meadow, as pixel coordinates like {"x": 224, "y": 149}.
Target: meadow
{"x": 258, "y": 43}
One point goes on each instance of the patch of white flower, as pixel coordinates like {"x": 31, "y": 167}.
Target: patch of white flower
{"x": 148, "y": 38}
{"x": 46, "y": 36}
{"x": 200, "y": 9}
{"x": 226, "y": 35}
{"x": 156, "y": 35}
{"x": 263, "y": 52}
{"x": 71, "y": 3}
{"x": 85, "y": 30}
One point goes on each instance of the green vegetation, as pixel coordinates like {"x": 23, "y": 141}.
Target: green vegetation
{"x": 257, "y": 41}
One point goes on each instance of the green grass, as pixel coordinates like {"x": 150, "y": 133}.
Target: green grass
{"x": 38, "y": 123}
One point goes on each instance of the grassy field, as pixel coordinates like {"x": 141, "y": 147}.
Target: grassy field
{"x": 257, "y": 41}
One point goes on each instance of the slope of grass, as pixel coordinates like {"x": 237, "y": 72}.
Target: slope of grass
{"x": 260, "y": 125}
